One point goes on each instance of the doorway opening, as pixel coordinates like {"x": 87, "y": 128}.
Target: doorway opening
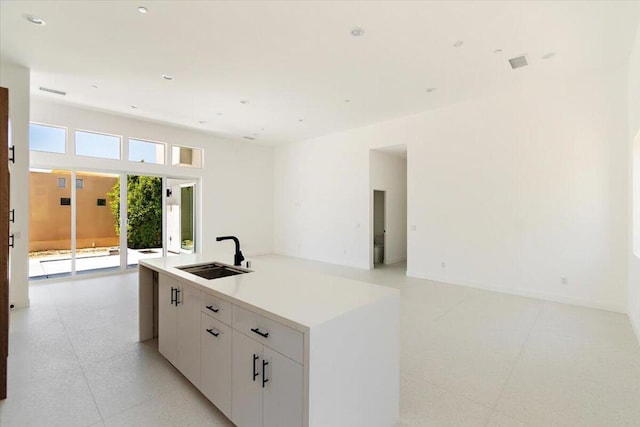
{"x": 378, "y": 227}
{"x": 387, "y": 206}
{"x": 181, "y": 219}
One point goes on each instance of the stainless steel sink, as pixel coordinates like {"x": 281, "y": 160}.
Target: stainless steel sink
{"x": 212, "y": 270}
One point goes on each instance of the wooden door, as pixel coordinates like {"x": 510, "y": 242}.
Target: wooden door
{"x": 4, "y": 239}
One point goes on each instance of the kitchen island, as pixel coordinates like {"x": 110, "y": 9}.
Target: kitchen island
{"x": 277, "y": 346}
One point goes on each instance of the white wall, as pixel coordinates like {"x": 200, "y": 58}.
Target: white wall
{"x": 16, "y": 79}
{"x": 634, "y": 178}
{"x": 389, "y": 174}
{"x": 512, "y": 192}
{"x": 236, "y": 181}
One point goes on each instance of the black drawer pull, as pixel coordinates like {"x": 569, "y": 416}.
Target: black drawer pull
{"x": 255, "y": 374}
{"x": 174, "y": 295}
{"x": 264, "y": 372}
{"x": 12, "y": 215}
{"x": 215, "y": 310}
{"x": 178, "y": 291}
{"x": 262, "y": 334}
{"x": 215, "y": 334}
{"x": 12, "y": 239}
{"x": 12, "y": 157}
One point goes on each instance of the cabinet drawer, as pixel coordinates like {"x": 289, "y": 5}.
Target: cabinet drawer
{"x": 275, "y": 335}
{"x": 217, "y": 308}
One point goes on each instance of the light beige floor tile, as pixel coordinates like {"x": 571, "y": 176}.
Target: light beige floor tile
{"x": 499, "y": 419}
{"x": 63, "y": 400}
{"x": 33, "y": 361}
{"x": 546, "y": 397}
{"x": 125, "y": 381}
{"x": 590, "y": 325}
{"x": 423, "y": 404}
{"x": 467, "y": 369}
{"x": 184, "y": 407}
{"x": 613, "y": 365}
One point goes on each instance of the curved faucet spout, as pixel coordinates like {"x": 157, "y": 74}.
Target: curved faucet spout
{"x": 237, "y": 257}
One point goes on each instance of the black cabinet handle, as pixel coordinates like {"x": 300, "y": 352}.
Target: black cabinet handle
{"x": 255, "y": 374}
{"x": 12, "y": 215}
{"x": 12, "y": 157}
{"x": 12, "y": 239}
{"x": 264, "y": 372}
{"x": 262, "y": 334}
{"x": 173, "y": 295}
{"x": 215, "y": 334}
{"x": 178, "y": 291}
{"x": 215, "y": 310}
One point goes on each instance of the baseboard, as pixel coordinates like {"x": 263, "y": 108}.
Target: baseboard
{"x": 394, "y": 260}
{"x": 636, "y": 328}
{"x": 618, "y": 308}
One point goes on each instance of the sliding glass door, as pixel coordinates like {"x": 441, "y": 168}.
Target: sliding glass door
{"x": 144, "y": 218}
{"x": 50, "y": 210}
{"x": 88, "y": 222}
{"x": 97, "y": 222}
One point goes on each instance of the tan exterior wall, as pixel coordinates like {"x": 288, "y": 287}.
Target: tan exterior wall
{"x": 50, "y": 222}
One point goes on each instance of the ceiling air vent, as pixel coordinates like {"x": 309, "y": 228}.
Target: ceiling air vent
{"x": 518, "y": 62}
{"x": 57, "y": 92}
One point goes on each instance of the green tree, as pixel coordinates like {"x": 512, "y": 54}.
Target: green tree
{"x": 144, "y": 211}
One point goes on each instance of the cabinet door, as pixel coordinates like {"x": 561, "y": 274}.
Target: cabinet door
{"x": 188, "y": 332}
{"x": 167, "y": 319}
{"x": 282, "y": 394}
{"x": 215, "y": 338}
{"x": 246, "y": 401}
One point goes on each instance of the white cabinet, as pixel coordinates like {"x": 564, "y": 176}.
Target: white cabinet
{"x": 167, "y": 319}
{"x": 216, "y": 339}
{"x": 179, "y": 326}
{"x": 267, "y": 386}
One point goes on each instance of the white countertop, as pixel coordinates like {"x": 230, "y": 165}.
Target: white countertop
{"x": 293, "y": 294}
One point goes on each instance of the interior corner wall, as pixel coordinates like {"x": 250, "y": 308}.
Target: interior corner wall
{"x": 512, "y": 192}
{"x": 389, "y": 174}
{"x": 634, "y": 179}
{"x": 236, "y": 181}
{"x": 16, "y": 79}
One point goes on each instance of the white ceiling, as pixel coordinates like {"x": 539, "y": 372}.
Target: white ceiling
{"x": 297, "y": 61}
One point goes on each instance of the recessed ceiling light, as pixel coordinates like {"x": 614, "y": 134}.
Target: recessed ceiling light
{"x": 458, "y": 43}
{"x": 347, "y": 100}
{"x": 357, "y": 31}
{"x": 497, "y": 51}
{"x": 430, "y": 89}
{"x": 244, "y": 101}
{"x": 301, "y": 120}
{"x": 35, "y": 20}
{"x": 548, "y": 55}
{"x": 135, "y": 107}
{"x": 167, "y": 77}
{"x": 142, "y": 9}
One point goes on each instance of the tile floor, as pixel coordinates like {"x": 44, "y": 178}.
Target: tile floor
{"x": 468, "y": 358}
